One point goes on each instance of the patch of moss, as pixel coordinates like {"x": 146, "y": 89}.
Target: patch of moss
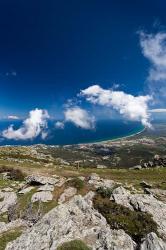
{"x": 74, "y": 245}
{"x": 4, "y": 217}
{"x": 7, "y": 237}
{"x": 136, "y": 224}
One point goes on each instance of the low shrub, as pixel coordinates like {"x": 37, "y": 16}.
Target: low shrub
{"x": 136, "y": 224}
{"x": 14, "y": 174}
{"x": 73, "y": 245}
{"x": 76, "y": 182}
{"x": 104, "y": 192}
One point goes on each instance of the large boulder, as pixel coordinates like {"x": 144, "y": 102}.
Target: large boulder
{"x": 41, "y": 180}
{"x": 153, "y": 242}
{"x": 8, "y": 199}
{"x": 75, "y": 219}
{"x": 43, "y": 196}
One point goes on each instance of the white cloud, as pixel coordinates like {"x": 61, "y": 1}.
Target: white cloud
{"x": 157, "y": 111}
{"x": 13, "y": 117}
{"x": 80, "y": 117}
{"x": 59, "y": 125}
{"x": 130, "y": 107}
{"x": 32, "y": 127}
{"x": 154, "y": 49}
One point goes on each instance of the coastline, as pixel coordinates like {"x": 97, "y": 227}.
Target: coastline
{"x": 114, "y": 140}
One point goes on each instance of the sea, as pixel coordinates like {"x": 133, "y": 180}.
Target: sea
{"x": 104, "y": 130}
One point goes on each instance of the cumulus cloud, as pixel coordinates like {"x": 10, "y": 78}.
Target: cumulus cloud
{"x": 154, "y": 49}
{"x": 80, "y": 117}
{"x": 13, "y": 117}
{"x": 59, "y": 125}
{"x": 130, "y": 107}
{"x": 32, "y": 127}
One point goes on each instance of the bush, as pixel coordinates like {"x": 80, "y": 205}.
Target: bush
{"x": 14, "y": 174}
{"x": 136, "y": 224}
{"x": 73, "y": 245}
{"x": 104, "y": 192}
{"x": 77, "y": 183}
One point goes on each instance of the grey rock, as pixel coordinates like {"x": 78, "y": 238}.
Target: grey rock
{"x": 9, "y": 199}
{"x": 69, "y": 192}
{"x": 41, "y": 180}
{"x": 26, "y": 190}
{"x": 153, "y": 242}
{"x": 144, "y": 203}
{"x": 97, "y": 182}
{"x": 46, "y": 187}
{"x": 75, "y": 219}
{"x": 4, "y": 227}
{"x": 43, "y": 196}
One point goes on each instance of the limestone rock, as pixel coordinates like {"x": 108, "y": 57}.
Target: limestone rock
{"x": 43, "y": 196}
{"x": 4, "y": 227}
{"x": 144, "y": 203}
{"x": 46, "y": 187}
{"x": 7, "y": 189}
{"x": 38, "y": 179}
{"x": 69, "y": 192}
{"x": 97, "y": 182}
{"x": 25, "y": 190}
{"x": 9, "y": 199}
{"x": 153, "y": 242}
{"x": 75, "y": 219}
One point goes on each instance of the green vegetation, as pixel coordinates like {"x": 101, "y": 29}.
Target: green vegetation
{"x": 76, "y": 182}
{"x": 4, "y": 217}
{"x": 105, "y": 192}
{"x": 14, "y": 174}
{"x": 7, "y": 237}
{"x": 73, "y": 245}
{"x": 136, "y": 224}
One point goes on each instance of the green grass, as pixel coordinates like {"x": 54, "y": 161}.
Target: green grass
{"x": 73, "y": 245}
{"x": 7, "y": 237}
{"x": 136, "y": 224}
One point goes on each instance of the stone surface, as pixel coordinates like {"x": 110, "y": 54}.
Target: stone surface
{"x": 69, "y": 192}
{"x": 8, "y": 199}
{"x": 75, "y": 219}
{"x": 43, "y": 196}
{"x": 25, "y": 190}
{"x": 97, "y": 182}
{"x": 46, "y": 187}
{"x": 38, "y": 179}
{"x": 144, "y": 203}
{"x": 4, "y": 227}
{"x": 153, "y": 242}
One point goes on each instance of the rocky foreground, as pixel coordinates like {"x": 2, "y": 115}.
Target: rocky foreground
{"x": 45, "y": 213}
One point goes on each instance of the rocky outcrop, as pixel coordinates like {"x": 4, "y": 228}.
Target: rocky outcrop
{"x": 69, "y": 192}
{"x": 75, "y": 219}
{"x": 153, "y": 242}
{"x": 97, "y": 182}
{"x": 4, "y": 227}
{"x": 41, "y": 180}
{"x": 8, "y": 199}
{"x": 144, "y": 203}
{"x": 43, "y": 196}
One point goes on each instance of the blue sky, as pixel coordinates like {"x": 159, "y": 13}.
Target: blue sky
{"x": 50, "y": 50}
